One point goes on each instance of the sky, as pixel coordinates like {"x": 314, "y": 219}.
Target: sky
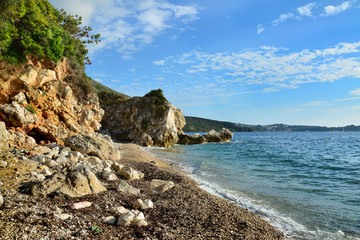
{"x": 243, "y": 61}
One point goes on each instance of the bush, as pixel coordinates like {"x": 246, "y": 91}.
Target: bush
{"x": 160, "y": 98}
{"x": 31, "y": 109}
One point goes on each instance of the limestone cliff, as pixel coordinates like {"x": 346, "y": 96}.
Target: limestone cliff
{"x": 35, "y": 98}
{"x": 143, "y": 120}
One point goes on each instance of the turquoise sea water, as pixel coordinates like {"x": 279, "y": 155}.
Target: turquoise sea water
{"x": 307, "y": 184}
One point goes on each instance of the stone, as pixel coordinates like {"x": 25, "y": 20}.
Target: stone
{"x": 3, "y": 164}
{"x": 108, "y": 175}
{"x": 4, "y": 145}
{"x": 1, "y": 200}
{"x": 50, "y": 163}
{"x": 93, "y": 160}
{"x": 140, "y": 204}
{"x": 93, "y": 145}
{"x": 80, "y": 205}
{"x": 158, "y": 186}
{"x": 225, "y": 135}
{"x": 162, "y": 123}
{"x": 117, "y": 167}
{"x": 46, "y": 171}
{"x": 62, "y": 159}
{"x": 125, "y": 219}
{"x": 63, "y": 216}
{"x": 131, "y": 174}
{"x": 38, "y": 176}
{"x": 123, "y": 186}
{"x": 20, "y": 98}
{"x": 145, "y": 140}
{"x": 71, "y": 182}
{"x": 109, "y": 220}
{"x": 139, "y": 219}
{"x": 118, "y": 210}
{"x": 16, "y": 115}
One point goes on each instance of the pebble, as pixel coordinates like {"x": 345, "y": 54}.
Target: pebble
{"x": 63, "y": 216}
{"x": 1, "y": 200}
{"x": 109, "y": 220}
{"x": 3, "y": 164}
{"x": 80, "y": 205}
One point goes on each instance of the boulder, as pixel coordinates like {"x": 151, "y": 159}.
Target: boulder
{"x": 145, "y": 140}
{"x": 4, "y": 145}
{"x": 94, "y": 145}
{"x": 130, "y": 174}
{"x": 123, "y": 186}
{"x": 125, "y": 219}
{"x": 108, "y": 175}
{"x": 187, "y": 139}
{"x": 140, "y": 204}
{"x": 144, "y": 119}
{"x": 158, "y": 186}
{"x": 16, "y": 115}
{"x": 212, "y": 136}
{"x": 75, "y": 182}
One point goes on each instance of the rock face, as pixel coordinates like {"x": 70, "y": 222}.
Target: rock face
{"x": 141, "y": 120}
{"x": 36, "y": 99}
{"x": 95, "y": 145}
{"x": 4, "y": 145}
{"x": 213, "y": 136}
{"x": 74, "y": 182}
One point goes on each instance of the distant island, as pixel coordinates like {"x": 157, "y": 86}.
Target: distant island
{"x": 196, "y": 124}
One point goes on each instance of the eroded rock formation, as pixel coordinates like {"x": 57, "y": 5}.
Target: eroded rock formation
{"x": 141, "y": 120}
{"x": 212, "y": 136}
{"x": 36, "y": 99}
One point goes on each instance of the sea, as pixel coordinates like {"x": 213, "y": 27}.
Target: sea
{"x": 307, "y": 184}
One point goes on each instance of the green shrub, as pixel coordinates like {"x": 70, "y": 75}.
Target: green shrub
{"x": 31, "y": 109}
{"x": 160, "y": 98}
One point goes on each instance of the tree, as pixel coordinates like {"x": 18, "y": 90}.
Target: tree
{"x": 35, "y": 27}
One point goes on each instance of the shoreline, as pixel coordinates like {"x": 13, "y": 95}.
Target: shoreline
{"x": 183, "y": 212}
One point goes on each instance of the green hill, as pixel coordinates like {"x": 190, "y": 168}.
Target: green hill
{"x": 195, "y": 124}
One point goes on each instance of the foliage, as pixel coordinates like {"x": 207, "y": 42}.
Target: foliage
{"x": 107, "y": 95}
{"x": 35, "y": 27}
{"x": 31, "y": 109}
{"x": 144, "y": 124}
{"x": 95, "y": 229}
{"x": 160, "y": 98}
{"x": 194, "y": 124}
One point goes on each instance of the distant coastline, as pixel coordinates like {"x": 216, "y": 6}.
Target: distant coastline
{"x": 196, "y": 124}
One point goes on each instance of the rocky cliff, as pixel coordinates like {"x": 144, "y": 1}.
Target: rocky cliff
{"x": 36, "y": 99}
{"x": 145, "y": 121}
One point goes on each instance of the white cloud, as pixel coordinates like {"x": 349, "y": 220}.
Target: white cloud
{"x": 355, "y": 92}
{"x": 274, "y": 68}
{"x": 282, "y": 18}
{"x": 159, "y": 62}
{"x": 334, "y": 10}
{"x": 260, "y": 28}
{"x": 129, "y": 25}
{"x": 306, "y": 10}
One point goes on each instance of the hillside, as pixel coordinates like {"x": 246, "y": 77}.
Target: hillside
{"x": 195, "y": 124}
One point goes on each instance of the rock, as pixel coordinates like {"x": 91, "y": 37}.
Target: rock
{"x": 118, "y": 210}
{"x": 75, "y": 182}
{"x": 212, "y": 136}
{"x": 93, "y": 145}
{"x": 125, "y": 219}
{"x": 4, "y": 145}
{"x": 109, "y": 220}
{"x": 187, "y": 139}
{"x": 63, "y": 216}
{"x": 123, "y": 186}
{"x": 144, "y": 120}
{"x": 16, "y": 115}
{"x": 46, "y": 171}
{"x": 130, "y": 174}
{"x": 158, "y": 186}
{"x": 80, "y": 205}
{"x": 223, "y": 136}
{"x": 20, "y": 140}
{"x": 145, "y": 140}
{"x": 93, "y": 160}
{"x": 139, "y": 219}
{"x": 108, "y": 175}
{"x": 3, "y": 164}
{"x": 50, "y": 163}
{"x": 117, "y": 167}
{"x": 38, "y": 176}
{"x": 139, "y": 204}
{"x": 1, "y": 200}
{"x": 20, "y": 98}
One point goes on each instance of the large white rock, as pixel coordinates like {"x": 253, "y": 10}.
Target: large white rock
{"x": 127, "y": 188}
{"x": 158, "y": 186}
{"x": 130, "y": 173}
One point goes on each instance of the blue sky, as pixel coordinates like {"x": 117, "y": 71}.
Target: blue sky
{"x": 253, "y": 62}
